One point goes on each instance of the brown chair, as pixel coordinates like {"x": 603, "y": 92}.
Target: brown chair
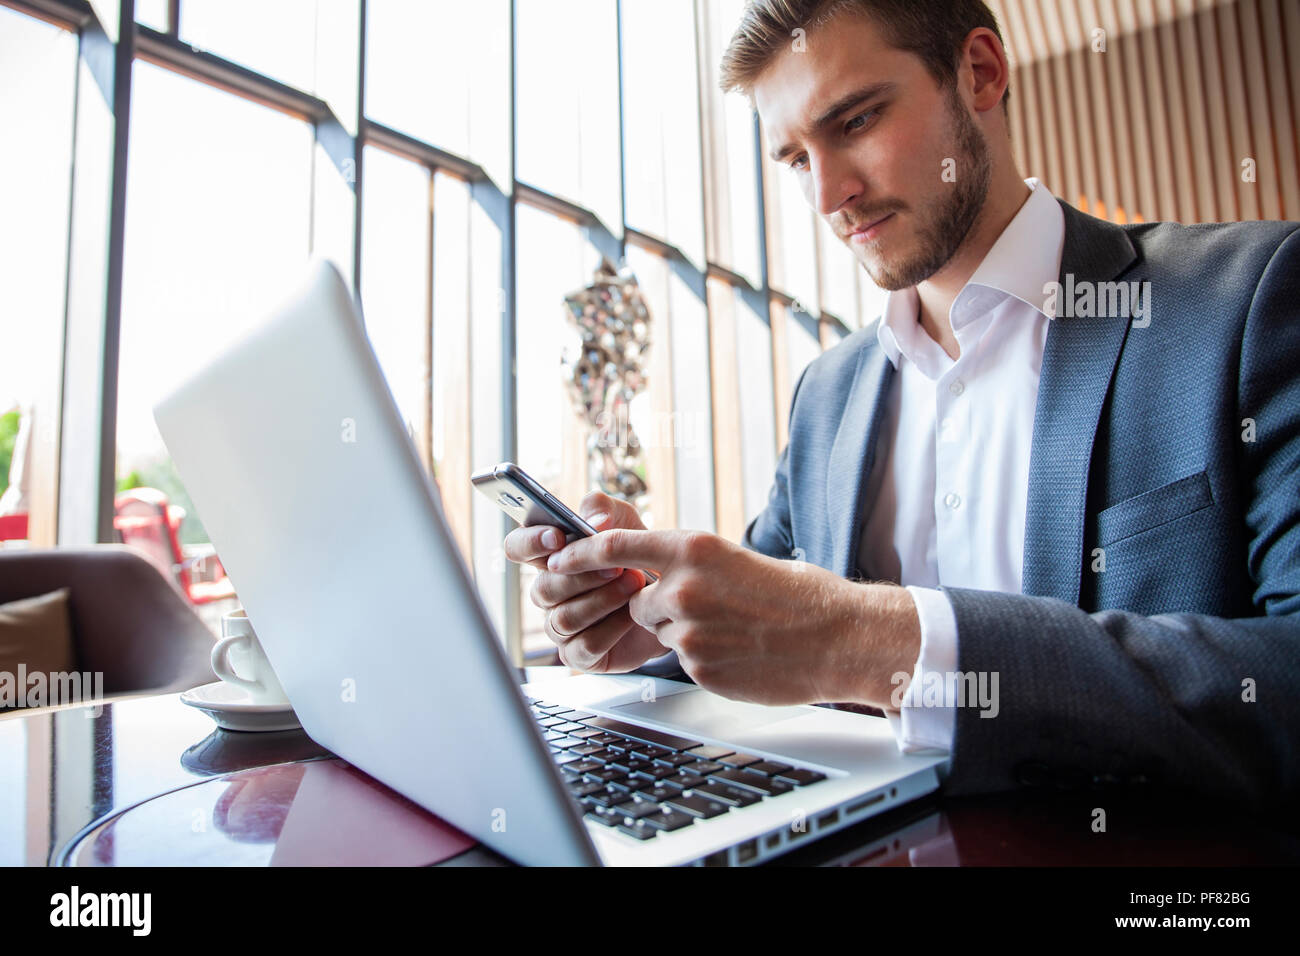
{"x": 128, "y": 621}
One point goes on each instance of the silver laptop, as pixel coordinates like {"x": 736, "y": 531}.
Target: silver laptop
{"x": 302, "y": 470}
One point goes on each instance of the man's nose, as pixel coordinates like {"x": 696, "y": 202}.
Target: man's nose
{"x": 835, "y": 184}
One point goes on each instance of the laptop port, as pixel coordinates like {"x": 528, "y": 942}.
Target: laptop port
{"x": 773, "y": 841}
{"x": 863, "y": 804}
{"x": 829, "y": 819}
{"x": 716, "y": 859}
{"x": 747, "y": 851}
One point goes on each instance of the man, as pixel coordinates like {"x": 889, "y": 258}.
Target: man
{"x": 1076, "y": 445}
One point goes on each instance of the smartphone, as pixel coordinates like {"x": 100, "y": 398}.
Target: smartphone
{"x": 523, "y": 498}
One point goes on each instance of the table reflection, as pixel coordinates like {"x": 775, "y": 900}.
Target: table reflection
{"x": 315, "y": 813}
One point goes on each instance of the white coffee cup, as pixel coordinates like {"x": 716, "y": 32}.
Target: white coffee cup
{"x": 240, "y": 649}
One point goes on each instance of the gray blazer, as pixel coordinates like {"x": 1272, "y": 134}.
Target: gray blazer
{"x": 1174, "y": 448}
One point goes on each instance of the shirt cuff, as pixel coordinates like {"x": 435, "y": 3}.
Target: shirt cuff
{"x": 922, "y": 724}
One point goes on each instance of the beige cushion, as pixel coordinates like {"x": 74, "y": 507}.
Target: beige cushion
{"x": 35, "y": 632}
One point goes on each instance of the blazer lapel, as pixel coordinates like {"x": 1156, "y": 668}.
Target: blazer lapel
{"x": 852, "y": 454}
{"x": 1078, "y": 361}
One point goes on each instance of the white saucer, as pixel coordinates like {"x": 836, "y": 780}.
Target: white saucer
{"x": 233, "y": 708}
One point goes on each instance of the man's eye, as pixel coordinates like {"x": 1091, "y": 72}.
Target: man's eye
{"x": 798, "y": 162}
{"x": 859, "y": 121}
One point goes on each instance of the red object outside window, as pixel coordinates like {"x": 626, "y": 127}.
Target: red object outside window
{"x": 146, "y": 521}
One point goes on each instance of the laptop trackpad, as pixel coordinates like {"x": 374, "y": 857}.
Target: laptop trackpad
{"x": 706, "y": 714}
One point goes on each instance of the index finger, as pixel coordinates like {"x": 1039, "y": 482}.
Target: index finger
{"x": 619, "y": 548}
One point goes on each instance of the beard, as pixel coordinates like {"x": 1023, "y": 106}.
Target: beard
{"x": 946, "y": 221}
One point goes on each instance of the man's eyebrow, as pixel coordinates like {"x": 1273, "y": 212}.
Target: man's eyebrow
{"x": 832, "y": 112}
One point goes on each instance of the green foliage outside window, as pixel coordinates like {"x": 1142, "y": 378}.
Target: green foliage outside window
{"x": 8, "y": 437}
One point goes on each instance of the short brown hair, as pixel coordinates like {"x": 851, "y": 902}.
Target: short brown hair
{"x": 934, "y": 30}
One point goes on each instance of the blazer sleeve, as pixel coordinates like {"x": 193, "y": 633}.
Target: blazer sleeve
{"x": 770, "y": 533}
{"x": 1188, "y": 701}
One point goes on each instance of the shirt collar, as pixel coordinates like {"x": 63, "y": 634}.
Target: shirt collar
{"x": 1024, "y": 259}
{"x": 900, "y": 319}
{"x": 1027, "y": 256}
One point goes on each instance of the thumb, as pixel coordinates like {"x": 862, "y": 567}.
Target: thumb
{"x": 603, "y": 511}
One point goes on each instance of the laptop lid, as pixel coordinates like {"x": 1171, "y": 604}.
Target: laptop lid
{"x": 302, "y": 471}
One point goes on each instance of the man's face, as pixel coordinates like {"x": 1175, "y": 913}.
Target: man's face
{"x": 869, "y": 134}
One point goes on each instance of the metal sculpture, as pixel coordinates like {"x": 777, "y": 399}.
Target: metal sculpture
{"x": 606, "y": 373}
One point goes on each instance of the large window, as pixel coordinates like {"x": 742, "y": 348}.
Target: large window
{"x": 37, "y": 71}
{"x": 568, "y": 108}
{"x": 503, "y": 149}
{"x": 730, "y": 141}
{"x": 278, "y": 39}
{"x": 395, "y": 281}
{"x": 217, "y": 225}
{"x": 661, "y": 124}
{"x": 439, "y": 71}
{"x": 453, "y": 361}
{"x": 200, "y": 272}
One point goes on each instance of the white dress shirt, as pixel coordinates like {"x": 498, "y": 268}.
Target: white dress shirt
{"x": 948, "y": 487}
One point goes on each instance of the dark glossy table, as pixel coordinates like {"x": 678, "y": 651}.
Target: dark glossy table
{"x": 151, "y": 781}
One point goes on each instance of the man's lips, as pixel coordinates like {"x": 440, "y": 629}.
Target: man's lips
{"x": 870, "y": 230}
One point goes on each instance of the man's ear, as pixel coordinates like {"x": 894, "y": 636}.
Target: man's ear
{"x": 985, "y": 61}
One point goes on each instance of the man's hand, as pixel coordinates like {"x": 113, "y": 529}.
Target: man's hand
{"x": 755, "y": 628}
{"x": 587, "y": 613}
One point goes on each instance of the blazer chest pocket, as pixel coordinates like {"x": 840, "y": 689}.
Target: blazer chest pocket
{"x": 1154, "y": 508}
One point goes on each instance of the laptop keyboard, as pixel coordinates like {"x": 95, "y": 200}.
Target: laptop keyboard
{"x": 644, "y": 782}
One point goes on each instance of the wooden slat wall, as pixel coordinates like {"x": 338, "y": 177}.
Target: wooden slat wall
{"x": 1158, "y": 125}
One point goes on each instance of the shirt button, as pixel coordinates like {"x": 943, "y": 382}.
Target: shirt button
{"x": 957, "y": 387}
{"x": 953, "y": 501}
